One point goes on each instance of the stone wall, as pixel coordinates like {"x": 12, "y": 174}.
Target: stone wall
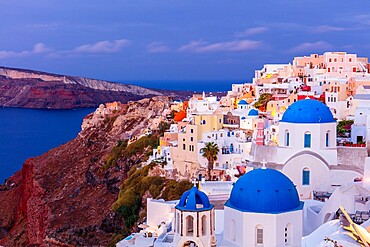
{"x": 353, "y": 156}
{"x": 260, "y": 153}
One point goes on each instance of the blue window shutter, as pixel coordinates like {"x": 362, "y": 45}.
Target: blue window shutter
{"x": 307, "y": 140}
{"x": 306, "y": 177}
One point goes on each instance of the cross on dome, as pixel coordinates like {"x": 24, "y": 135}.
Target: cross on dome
{"x": 264, "y": 164}
{"x": 195, "y": 182}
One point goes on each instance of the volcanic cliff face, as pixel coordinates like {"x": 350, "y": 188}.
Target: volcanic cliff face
{"x": 65, "y": 196}
{"x": 34, "y": 89}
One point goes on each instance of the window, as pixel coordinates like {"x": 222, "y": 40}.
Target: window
{"x": 189, "y": 226}
{"x": 306, "y": 176}
{"x": 327, "y": 139}
{"x": 350, "y": 60}
{"x": 307, "y": 140}
{"x": 287, "y": 138}
{"x": 191, "y": 131}
{"x": 354, "y": 69}
{"x": 335, "y": 60}
{"x": 183, "y": 146}
{"x": 328, "y": 69}
{"x": 329, "y": 60}
{"x": 204, "y": 122}
{"x": 259, "y": 235}
{"x": 204, "y": 225}
{"x": 191, "y": 138}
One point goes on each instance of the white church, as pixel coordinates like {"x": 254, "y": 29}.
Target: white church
{"x": 307, "y": 150}
{"x": 263, "y": 210}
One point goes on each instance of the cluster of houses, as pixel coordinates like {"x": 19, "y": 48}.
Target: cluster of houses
{"x": 280, "y": 131}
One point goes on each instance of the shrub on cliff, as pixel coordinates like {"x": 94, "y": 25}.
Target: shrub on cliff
{"x": 136, "y": 147}
{"x": 137, "y": 185}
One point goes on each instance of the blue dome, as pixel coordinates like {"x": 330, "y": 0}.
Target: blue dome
{"x": 253, "y": 112}
{"x": 264, "y": 191}
{"x": 242, "y": 118}
{"x": 194, "y": 200}
{"x": 242, "y": 102}
{"x": 308, "y": 111}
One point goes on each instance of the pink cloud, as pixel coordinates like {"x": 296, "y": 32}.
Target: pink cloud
{"x": 315, "y": 46}
{"x": 231, "y": 46}
{"x": 38, "y": 48}
{"x": 326, "y": 28}
{"x": 103, "y": 46}
{"x": 251, "y": 31}
{"x": 157, "y": 47}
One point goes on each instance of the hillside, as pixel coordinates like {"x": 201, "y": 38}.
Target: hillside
{"x": 69, "y": 196}
{"x": 35, "y": 89}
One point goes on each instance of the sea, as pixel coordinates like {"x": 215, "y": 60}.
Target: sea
{"x": 192, "y": 85}
{"x": 26, "y": 133}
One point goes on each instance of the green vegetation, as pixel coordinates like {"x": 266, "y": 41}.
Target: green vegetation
{"x": 137, "y": 185}
{"x": 137, "y": 147}
{"x": 344, "y": 127}
{"x": 262, "y": 101}
{"x": 144, "y": 144}
{"x": 115, "y": 153}
{"x": 210, "y": 152}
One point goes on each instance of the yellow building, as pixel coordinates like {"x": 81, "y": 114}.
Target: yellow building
{"x": 185, "y": 155}
{"x": 279, "y": 106}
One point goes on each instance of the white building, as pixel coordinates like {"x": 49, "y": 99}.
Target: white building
{"x": 263, "y": 210}
{"x": 202, "y": 105}
{"x": 360, "y": 130}
{"x": 307, "y": 150}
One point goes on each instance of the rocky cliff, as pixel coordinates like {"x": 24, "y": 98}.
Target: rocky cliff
{"x": 65, "y": 196}
{"x": 34, "y": 89}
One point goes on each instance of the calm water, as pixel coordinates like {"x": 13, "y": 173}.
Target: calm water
{"x": 199, "y": 86}
{"x": 27, "y": 133}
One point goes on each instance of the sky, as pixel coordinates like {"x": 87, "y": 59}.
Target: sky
{"x": 128, "y": 40}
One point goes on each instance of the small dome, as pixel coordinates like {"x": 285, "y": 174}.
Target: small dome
{"x": 264, "y": 191}
{"x": 194, "y": 200}
{"x": 242, "y": 118}
{"x": 242, "y": 102}
{"x": 308, "y": 111}
{"x": 253, "y": 112}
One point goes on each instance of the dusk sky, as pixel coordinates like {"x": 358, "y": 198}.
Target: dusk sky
{"x": 175, "y": 40}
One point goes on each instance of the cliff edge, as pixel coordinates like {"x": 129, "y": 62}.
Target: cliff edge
{"x": 65, "y": 196}
{"x": 35, "y": 89}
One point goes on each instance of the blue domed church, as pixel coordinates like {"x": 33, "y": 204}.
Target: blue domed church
{"x": 308, "y": 149}
{"x": 263, "y": 210}
{"x": 194, "y": 220}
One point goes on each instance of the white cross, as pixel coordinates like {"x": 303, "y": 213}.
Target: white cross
{"x": 195, "y": 182}
{"x": 264, "y": 164}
